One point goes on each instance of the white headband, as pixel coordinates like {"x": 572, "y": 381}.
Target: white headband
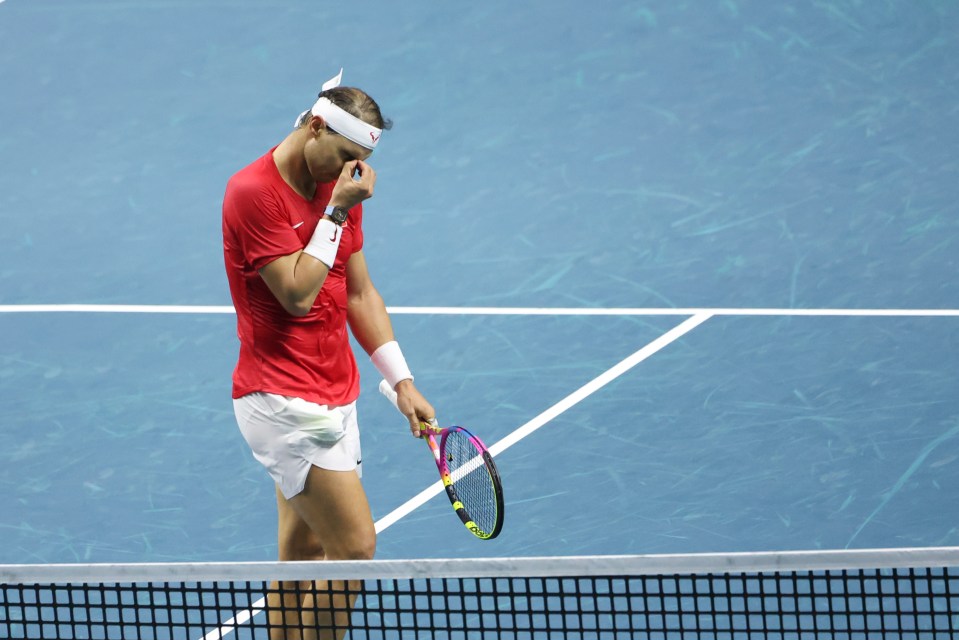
{"x": 345, "y": 124}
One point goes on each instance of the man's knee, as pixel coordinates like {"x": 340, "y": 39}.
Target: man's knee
{"x": 301, "y": 550}
{"x": 299, "y": 543}
{"x": 357, "y": 547}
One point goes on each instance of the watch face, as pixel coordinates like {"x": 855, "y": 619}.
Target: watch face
{"x": 339, "y": 215}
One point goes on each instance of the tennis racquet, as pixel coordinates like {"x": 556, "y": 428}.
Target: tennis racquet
{"x": 469, "y": 476}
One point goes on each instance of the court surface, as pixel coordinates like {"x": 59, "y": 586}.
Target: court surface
{"x": 701, "y": 255}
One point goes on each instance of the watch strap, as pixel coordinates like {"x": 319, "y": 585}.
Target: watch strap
{"x": 337, "y": 214}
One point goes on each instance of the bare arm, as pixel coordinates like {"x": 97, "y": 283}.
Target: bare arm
{"x": 296, "y": 279}
{"x": 371, "y": 326}
{"x": 366, "y": 311}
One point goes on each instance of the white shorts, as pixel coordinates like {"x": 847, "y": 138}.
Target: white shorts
{"x": 289, "y": 435}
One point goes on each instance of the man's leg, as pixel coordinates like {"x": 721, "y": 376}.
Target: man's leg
{"x": 329, "y": 520}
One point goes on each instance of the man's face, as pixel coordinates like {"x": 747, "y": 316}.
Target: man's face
{"x": 326, "y": 153}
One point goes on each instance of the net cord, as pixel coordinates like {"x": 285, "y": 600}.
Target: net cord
{"x": 554, "y": 566}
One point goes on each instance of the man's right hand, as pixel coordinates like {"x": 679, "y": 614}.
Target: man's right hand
{"x": 349, "y": 192}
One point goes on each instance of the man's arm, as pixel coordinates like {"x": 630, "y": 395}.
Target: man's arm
{"x": 366, "y": 311}
{"x": 296, "y": 279}
{"x": 371, "y": 326}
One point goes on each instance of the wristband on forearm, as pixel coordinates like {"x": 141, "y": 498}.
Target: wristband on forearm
{"x": 389, "y": 361}
{"x": 325, "y": 242}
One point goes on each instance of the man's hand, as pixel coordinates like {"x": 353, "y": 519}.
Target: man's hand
{"x": 349, "y": 192}
{"x": 414, "y": 406}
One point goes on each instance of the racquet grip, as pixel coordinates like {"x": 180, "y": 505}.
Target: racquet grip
{"x": 387, "y": 391}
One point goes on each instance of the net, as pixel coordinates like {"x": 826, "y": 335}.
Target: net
{"x": 905, "y": 593}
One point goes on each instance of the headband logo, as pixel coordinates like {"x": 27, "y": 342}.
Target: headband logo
{"x": 375, "y": 137}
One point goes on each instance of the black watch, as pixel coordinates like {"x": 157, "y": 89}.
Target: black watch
{"x": 338, "y": 214}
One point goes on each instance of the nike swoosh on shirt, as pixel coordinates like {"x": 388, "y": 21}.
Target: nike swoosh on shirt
{"x": 298, "y": 225}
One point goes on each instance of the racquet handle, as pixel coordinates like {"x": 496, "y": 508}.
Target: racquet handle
{"x": 390, "y": 394}
{"x": 387, "y": 391}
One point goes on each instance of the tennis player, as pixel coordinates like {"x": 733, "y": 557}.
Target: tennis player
{"x": 293, "y": 247}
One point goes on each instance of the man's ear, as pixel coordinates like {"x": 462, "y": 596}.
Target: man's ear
{"x": 317, "y": 124}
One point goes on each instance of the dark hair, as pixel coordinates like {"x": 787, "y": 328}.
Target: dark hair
{"x": 357, "y": 104}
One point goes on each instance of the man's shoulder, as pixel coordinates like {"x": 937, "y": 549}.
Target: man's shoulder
{"x": 255, "y": 175}
{"x": 255, "y": 185}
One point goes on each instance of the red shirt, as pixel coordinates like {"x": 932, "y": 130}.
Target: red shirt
{"x": 308, "y": 357}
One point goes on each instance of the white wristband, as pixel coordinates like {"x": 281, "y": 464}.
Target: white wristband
{"x": 325, "y": 242}
{"x": 389, "y": 361}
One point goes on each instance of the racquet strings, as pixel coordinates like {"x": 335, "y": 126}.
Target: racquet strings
{"x": 471, "y": 479}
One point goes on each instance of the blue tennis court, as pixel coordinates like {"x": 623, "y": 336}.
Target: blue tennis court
{"x": 701, "y": 256}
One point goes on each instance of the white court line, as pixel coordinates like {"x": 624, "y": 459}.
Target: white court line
{"x": 668, "y": 311}
{"x": 499, "y": 311}
{"x": 113, "y": 308}
{"x": 560, "y": 407}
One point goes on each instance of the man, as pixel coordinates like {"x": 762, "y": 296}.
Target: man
{"x": 292, "y": 242}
